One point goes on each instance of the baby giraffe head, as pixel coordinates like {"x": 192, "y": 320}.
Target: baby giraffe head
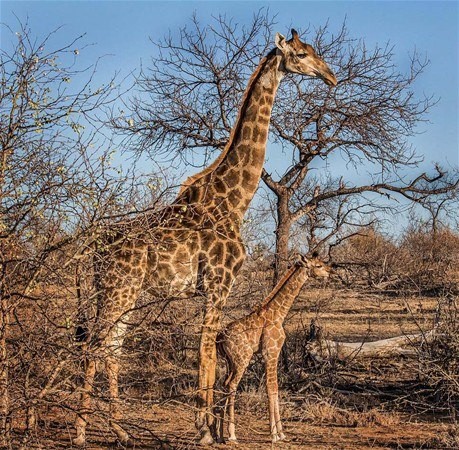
{"x": 317, "y": 268}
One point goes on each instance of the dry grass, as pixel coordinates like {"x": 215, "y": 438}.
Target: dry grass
{"x": 339, "y": 405}
{"x": 354, "y": 316}
{"x": 320, "y": 411}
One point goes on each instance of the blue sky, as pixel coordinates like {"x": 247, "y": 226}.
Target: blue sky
{"x": 121, "y": 30}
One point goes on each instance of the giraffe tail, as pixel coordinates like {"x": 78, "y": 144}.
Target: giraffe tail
{"x": 225, "y": 356}
{"x": 220, "y": 347}
{"x": 81, "y": 331}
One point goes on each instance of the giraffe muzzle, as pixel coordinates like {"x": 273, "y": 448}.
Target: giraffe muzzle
{"x": 328, "y": 77}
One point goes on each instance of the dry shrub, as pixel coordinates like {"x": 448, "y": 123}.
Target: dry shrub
{"x": 160, "y": 350}
{"x": 325, "y": 411}
{"x": 449, "y": 439}
{"x": 425, "y": 260}
{"x": 369, "y": 258}
{"x": 42, "y": 349}
{"x": 300, "y": 370}
{"x": 430, "y": 259}
{"x": 253, "y": 400}
{"x": 439, "y": 361}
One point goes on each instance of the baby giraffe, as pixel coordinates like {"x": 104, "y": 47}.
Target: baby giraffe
{"x": 262, "y": 330}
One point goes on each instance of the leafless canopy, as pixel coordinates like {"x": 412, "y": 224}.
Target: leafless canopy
{"x": 188, "y": 97}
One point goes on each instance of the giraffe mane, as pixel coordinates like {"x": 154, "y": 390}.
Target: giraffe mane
{"x": 236, "y": 128}
{"x": 280, "y": 284}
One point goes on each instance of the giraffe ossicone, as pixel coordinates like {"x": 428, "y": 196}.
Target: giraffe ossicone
{"x": 194, "y": 246}
{"x": 262, "y": 331}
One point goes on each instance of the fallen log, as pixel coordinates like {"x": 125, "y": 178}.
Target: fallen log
{"x": 406, "y": 344}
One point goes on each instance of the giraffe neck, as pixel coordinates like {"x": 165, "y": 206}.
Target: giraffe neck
{"x": 285, "y": 292}
{"x": 231, "y": 181}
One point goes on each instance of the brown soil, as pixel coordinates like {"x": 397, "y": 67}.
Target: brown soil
{"x": 171, "y": 426}
{"x": 359, "y": 419}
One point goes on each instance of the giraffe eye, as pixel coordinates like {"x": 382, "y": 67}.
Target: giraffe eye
{"x": 302, "y": 55}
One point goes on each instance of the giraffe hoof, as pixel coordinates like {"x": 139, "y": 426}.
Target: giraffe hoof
{"x": 127, "y": 443}
{"x": 233, "y": 441}
{"x": 122, "y": 437}
{"x": 206, "y": 438}
{"x": 79, "y": 441}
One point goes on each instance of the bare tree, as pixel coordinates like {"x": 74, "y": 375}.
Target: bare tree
{"x": 187, "y": 100}
{"x": 52, "y": 187}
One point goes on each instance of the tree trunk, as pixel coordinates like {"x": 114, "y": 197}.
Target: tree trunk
{"x": 284, "y": 223}
{"x": 4, "y": 394}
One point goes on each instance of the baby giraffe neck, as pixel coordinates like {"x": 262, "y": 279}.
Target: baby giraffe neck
{"x": 283, "y": 299}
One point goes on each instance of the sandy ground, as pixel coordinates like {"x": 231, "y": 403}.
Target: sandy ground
{"x": 345, "y": 315}
{"x": 170, "y": 426}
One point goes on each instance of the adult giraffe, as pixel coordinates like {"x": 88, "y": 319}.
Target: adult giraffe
{"x": 194, "y": 246}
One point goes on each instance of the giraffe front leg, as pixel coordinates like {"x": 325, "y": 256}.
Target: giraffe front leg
{"x": 273, "y": 402}
{"x": 231, "y": 420}
{"x": 207, "y": 368}
{"x": 113, "y": 347}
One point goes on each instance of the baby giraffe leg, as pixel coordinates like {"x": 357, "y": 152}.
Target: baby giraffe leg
{"x": 277, "y": 419}
{"x": 219, "y": 414}
{"x": 271, "y": 353}
{"x": 232, "y": 388}
{"x": 273, "y": 401}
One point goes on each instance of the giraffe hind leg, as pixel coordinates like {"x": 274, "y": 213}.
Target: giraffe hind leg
{"x": 113, "y": 347}
{"x": 239, "y": 365}
{"x": 112, "y": 367}
{"x": 85, "y": 402}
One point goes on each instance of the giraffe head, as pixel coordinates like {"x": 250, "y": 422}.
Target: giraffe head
{"x": 317, "y": 268}
{"x": 301, "y": 58}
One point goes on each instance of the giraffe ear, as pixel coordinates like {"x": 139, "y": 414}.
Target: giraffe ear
{"x": 302, "y": 259}
{"x": 295, "y": 36}
{"x": 297, "y": 258}
{"x": 280, "y": 41}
